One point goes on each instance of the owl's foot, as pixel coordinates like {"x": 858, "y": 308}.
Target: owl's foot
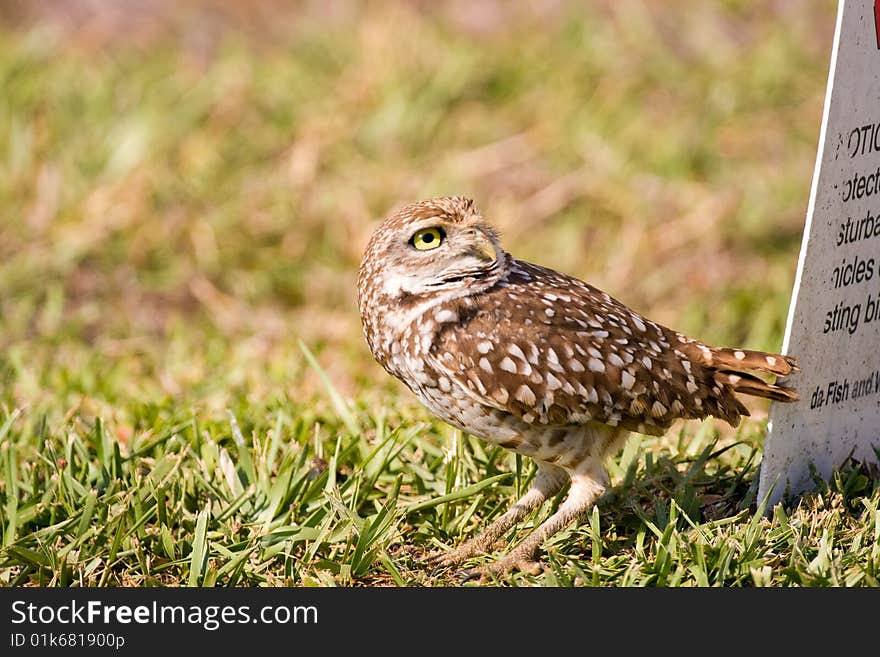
{"x": 584, "y": 491}
{"x": 441, "y": 559}
{"x": 549, "y": 481}
{"x": 515, "y": 561}
{"x": 524, "y": 563}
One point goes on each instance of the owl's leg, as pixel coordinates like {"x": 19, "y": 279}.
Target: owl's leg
{"x": 585, "y": 490}
{"x": 549, "y": 481}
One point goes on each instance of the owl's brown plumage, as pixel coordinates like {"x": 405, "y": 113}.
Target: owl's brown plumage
{"x": 534, "y": 360}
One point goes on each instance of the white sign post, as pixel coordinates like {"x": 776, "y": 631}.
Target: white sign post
{"x": 834, "y": 318}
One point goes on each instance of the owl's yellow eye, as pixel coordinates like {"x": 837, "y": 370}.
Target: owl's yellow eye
{"x": 427, "y": 239}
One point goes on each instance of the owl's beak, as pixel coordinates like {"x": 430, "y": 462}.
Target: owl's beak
{"x": 482, "y": 248}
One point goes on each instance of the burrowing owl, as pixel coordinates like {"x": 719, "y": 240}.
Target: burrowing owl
{"x": 533, "y": 360}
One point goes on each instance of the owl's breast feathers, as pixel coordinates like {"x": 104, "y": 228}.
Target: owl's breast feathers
{"x": 553, "y": 350}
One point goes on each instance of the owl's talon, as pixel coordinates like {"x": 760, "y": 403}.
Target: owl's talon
{"x": 466, "y": 576}
{"x": 438, "y": 566}
{"x": 530, "y": 567}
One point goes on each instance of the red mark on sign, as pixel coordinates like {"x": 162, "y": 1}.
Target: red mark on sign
{"x": 877, "y": 21}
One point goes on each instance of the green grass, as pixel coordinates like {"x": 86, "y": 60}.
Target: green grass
{"x": 275, "y": 496}
{"x": 185, "y": 396}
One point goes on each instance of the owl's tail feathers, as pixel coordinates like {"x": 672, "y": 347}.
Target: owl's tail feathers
{"x": 749, "y": 384}
{"x": 729, "y": 366}
{"x": 742, "y": 359}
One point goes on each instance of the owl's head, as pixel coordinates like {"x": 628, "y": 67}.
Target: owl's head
{"x": 430, "y": 247}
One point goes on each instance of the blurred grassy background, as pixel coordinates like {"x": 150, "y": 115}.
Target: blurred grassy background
{"x": 185, "y": 188}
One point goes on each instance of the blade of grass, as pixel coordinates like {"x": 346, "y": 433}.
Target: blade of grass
{"x": 459, "y": 494}
{"x": 199, "y": 557}
{"x": 339, "y": 404}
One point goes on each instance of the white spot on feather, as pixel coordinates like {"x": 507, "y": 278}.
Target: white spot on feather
{"x": 508, "y": 365}
{"x": 525, "y": 395}
{"x": 533, "y": 354}
{"x": 445, "y": 315}
{"x": 514, "y": 350}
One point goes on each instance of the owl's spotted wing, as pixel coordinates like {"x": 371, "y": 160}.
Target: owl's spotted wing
{"x": 554, "y": 350}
